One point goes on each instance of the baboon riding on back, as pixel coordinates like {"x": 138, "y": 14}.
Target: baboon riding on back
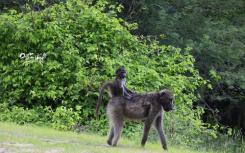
{"x": 148, "y": 107}
{"x": 116, "y": 88}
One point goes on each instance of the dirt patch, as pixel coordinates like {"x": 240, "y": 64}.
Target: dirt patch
{"x": 53, "y": 151}
{"x": 22, "y": 145}
{"x": 7, "y": 147}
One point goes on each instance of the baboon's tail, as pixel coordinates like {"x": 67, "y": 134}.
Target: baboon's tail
{"x": 101, "y": 92}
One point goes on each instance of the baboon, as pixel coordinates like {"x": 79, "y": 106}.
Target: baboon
{"x": 116, "y": 88}
{"x": 148, "y": 107}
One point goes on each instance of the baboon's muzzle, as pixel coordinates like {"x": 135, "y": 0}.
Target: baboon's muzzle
{"x": 169, "y": 107}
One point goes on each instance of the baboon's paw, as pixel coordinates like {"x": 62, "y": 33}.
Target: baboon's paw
{"x": 109, "y": 142}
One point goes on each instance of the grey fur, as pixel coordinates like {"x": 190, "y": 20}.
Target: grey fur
{"x": 148, "y": 107}
{"x": 117, "y": 87}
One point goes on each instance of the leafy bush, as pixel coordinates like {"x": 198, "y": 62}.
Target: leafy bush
{"x": 58, "y": 58}
{"x": 5, "y": 112}
{"x": 64, "y": 118}
{"x": 215, "y": 30}
{"x": 22, "y": 115}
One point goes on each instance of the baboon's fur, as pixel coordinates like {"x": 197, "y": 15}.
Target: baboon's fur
{"x": 116, "y": 87}
{"x": 147, "y": 107}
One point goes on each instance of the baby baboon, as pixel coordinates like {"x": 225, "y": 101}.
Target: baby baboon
{"x": 148, "y": 107}
{"x": 116, "y": 88}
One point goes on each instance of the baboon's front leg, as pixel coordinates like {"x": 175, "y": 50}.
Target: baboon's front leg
{"x": 158, "y": 126}
{"x": 147, "y": 127}
{"x": 110, "y": 136}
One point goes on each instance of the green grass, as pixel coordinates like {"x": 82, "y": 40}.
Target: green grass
{"x": 30, "y": 138}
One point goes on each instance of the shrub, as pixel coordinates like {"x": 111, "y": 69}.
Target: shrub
{"x": 64, "y": 118}
{"x": 59, "y": 56}
{"x": 22, "y": 115}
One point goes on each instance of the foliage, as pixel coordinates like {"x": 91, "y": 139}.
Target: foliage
{"x": 25, "y": 5}
{"x": 64, "y": 118}
{"x": 58, "y": 58}
{"x": 22, "y": 115}
{"x": 215, "y": 32}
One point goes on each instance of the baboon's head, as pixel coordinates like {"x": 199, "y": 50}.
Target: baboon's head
{"x": 121, "y": 72}
{"x": 166, "y": 100}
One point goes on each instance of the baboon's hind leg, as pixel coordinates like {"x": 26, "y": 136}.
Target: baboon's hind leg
{"x": 110, "y": 136}
{"x": 118, "y": 124}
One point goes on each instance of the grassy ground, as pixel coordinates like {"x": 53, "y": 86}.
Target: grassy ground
{"x": 16, "y": 138}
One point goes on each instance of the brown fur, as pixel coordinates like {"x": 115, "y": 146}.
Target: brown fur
{"x": 148, "y": 107}
{"x": 116, "y": 88}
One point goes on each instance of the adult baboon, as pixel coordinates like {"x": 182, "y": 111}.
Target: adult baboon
{"x": 148, "y": 107}
{"x": 116, "y": 88}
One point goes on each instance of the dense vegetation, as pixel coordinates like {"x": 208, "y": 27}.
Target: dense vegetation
{"x": 82, "y": 48}
{"x": 215, "y": 30}
{"x": 55, "y": 55}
